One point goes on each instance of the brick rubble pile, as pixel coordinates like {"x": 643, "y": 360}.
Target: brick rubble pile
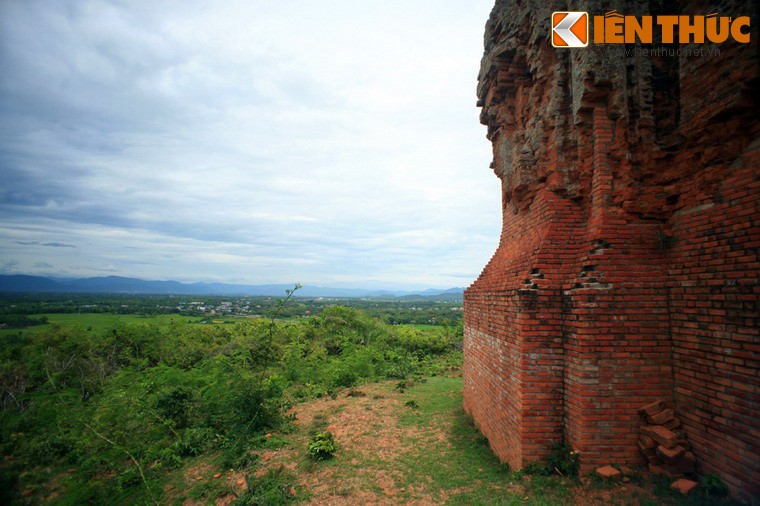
{"x": 663, "y": 443}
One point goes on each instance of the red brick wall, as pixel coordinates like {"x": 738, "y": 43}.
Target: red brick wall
{"x": 514, "y": 365}
{"x": 713, "y": 300}
{"x": 575, "y": 324}
{"x": 714, "y": 267}
{"x": 617, "y": 347}
{"x": 627, "y": 269}
{"x": 566, "y": 331}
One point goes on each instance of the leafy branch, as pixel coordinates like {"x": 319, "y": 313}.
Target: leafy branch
{"x": 281, "y": 305}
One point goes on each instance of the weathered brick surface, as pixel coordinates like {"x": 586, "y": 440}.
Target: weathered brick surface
{"x": 627, "y": 270}
{"x": 661, "y": 435}
{"x": 653, "y": 408}
{"x": 662, "y": 418}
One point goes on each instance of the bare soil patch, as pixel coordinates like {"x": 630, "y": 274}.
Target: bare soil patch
{"x": 370, "y": 440}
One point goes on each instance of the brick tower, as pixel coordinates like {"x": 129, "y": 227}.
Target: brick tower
{"x": 627, "y": 270}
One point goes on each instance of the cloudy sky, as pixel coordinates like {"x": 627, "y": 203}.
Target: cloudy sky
{"x": 335, "y": 143}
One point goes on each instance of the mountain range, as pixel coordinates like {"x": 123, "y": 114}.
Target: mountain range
{"x": 122, "y": 285}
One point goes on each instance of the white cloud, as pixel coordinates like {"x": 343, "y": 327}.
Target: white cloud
{"x": 246, "y": 141}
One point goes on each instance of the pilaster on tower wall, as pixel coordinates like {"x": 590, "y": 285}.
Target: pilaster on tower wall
{"x": 627, "y": 269}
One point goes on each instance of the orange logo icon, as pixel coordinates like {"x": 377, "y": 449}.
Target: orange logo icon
{"x": 569, "y": 29}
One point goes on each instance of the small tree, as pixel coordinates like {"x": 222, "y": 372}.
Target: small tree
{"x": 289, "y": 292}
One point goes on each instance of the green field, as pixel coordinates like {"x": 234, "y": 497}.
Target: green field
{"x": 99, "y": 322}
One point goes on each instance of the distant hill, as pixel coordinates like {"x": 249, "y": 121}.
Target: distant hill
{"x": 21, "y": 283}
{"x": 123, "y": 285}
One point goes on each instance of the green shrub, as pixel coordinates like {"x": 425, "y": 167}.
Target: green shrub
{"x": 197, "y": 441}
{"x": 562, "y": 460}
{"x": 322, "y": 446}
{"x": 344, "y": 377}
{"x": 174, "y": 404}
{"x": 424, "y": 343}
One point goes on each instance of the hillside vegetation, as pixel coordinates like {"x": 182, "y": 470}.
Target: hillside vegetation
{"x": 337, "y": 408}
{"x": 107, "y": 416}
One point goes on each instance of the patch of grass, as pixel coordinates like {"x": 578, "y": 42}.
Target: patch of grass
{"x": 278, "y": 486}
{"x": 450, "y": 453}
{"x": 555, "y": 488}
{"x": 595, "y": 482}
{"x": 319, "y": 422}
{"x": 272, "y": 441}
{"x": 209, "y": 489}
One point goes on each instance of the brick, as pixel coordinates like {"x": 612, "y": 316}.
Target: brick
{"x": 684, "y": 486}
{"x": 647, "y": 442}
{"x": 662, "y": 417}
{"x": 669, "y": 455}
{"x": 672, "y": 424}
{"x": 663, "y": 436}
{"x": 627, "y": 471}
{"x": 608, "y": 473}
{"x": 652, "y": 408}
